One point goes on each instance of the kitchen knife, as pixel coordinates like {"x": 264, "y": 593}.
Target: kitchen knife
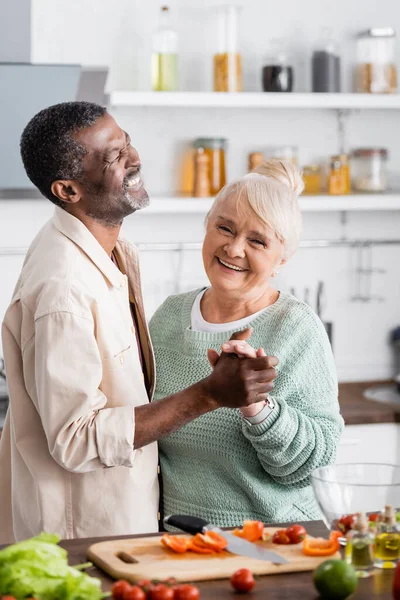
{"x": 236, "y": 545}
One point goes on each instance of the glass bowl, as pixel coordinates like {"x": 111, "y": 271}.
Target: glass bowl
{"x": 342, "y": 490}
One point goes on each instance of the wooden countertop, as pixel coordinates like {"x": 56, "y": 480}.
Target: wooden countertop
{"x": 357, "y": 410}
{"x": 273, "y": 587}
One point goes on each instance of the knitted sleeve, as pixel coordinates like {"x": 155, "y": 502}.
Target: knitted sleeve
{"x": 303, "y": 431}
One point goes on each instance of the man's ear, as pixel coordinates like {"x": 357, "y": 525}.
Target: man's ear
{"x": 66, "y": 190}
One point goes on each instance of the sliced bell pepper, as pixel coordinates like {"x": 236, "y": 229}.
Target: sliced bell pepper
{"x": 322, "y": 547}
{"x": 176, "y": 543}
{"x": 200, "y": 549}
{"x": 210, "y": 539}
{"x": 252, "y": 531}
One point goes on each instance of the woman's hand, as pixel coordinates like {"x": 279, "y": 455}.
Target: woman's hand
{"x": 238, "y": 345}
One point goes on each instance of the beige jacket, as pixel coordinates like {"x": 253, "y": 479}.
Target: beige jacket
{"x": 67, "y": 460}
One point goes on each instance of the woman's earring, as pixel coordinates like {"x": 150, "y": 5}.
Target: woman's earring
{"x": 275, "y": 273}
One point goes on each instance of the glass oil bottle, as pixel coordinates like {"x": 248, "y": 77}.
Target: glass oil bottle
{"x": 360, "y": 547}
{"x": 387, "y": 540}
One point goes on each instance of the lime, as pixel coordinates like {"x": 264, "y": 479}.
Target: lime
{"x": 335, "y": 580}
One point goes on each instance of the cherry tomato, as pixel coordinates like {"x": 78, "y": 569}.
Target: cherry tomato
{"x": 346, "y": 523}
{"x": 160, "y": 592}
{"x": 373, "y": 517}
{"x": 135, "y": 593}
{"x": 296, "y": 534}
{"x": 119, "y": 588}
{"x": 243, "y": 580}
{"x": 186, "y": 592}
{"x": 280, "y": 537}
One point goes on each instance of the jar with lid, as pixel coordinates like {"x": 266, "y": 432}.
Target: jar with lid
{"x": 376, "y": 63}
{"x": 165, "y": 55}
{"x": 339, "y": 175}
{"x": 312, "y": 177}
{"x": 227, "y": 59}
{"x": 214, "y": 149}
{"x": 368, "y": 169}
{"x": 326, "y": 65}
{"x": 277, "y": 73}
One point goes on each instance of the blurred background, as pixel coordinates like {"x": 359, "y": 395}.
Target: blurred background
{"x": 315, "y": 82}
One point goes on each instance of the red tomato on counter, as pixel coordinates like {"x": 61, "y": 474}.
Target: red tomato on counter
{"x": 160, "y": 592}
{"x": 243, "y": 580}
{"x": 119, "y": 588}
{"x": 135, "y": 593}
{"x": 296, "y": 534}
{"x": 280, "y": 537}
{"x": 186, "y": 592}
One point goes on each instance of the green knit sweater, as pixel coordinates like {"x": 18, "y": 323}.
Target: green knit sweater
{"x": 222, "y": 469}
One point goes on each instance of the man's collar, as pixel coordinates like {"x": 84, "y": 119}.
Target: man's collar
{"x": 78, "y": 233}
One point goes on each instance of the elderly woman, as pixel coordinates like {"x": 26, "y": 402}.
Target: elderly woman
{"x": 253, "y": 463}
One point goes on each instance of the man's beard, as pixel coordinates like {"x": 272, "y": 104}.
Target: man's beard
{"x": 111, "y": 209}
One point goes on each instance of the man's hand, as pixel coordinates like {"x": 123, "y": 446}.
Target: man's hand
{"x": 237, "y": 383}
{"x": 237, "y": 345}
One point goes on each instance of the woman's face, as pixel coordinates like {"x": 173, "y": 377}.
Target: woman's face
{"x": 240, "y": 253}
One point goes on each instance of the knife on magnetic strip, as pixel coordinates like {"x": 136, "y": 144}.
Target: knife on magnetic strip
{"x": 236, "y": 545}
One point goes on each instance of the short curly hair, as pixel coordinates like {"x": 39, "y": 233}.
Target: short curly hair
{"x": 48, "y": 149}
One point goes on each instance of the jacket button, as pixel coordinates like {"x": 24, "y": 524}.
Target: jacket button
{"x": 133, "y": 329}
{"x": 121, "y": 360}
{"x": 123, "y": 283}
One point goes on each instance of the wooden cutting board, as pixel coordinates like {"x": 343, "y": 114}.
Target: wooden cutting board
{"x": 156, "y": 562}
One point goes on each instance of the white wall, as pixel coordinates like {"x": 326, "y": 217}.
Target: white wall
{"x": 118, "y": 34}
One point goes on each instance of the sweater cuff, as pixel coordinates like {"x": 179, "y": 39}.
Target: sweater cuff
{"x": 256, "y": 430}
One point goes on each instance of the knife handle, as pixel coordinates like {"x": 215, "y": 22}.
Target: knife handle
{"x": 186, "y": 523}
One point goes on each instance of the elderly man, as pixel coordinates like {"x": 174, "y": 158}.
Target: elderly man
{"x": 78, "y": 455}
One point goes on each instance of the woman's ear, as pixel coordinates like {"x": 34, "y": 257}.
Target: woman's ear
{"x": 66, "y": 190}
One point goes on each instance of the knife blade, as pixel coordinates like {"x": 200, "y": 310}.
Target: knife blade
{"x": 236, "y": 545}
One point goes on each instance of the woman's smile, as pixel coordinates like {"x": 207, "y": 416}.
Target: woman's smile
{"x": 230, "y": 267}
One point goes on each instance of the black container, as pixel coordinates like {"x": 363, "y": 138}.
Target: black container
{"x": 277, "y": 78}
{"x": 325, "y": 72}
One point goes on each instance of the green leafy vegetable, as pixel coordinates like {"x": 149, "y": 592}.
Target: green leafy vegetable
{"x": 38, "y": 568}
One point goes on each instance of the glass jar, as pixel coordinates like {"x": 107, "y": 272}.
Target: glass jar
{"x": 376, "y": 62}
{"x": 227, "y": 60}
{"x": 369, "y": 169}
{"x": 283, "y": 153}
{"x": 339, "y": 175}
{"x": 326, "y": 65}
{"x": 312, "y": 177}
{"x": 214, "y": 148}
{"x": 165, "y": 56}
{"x": 277, "y": 74}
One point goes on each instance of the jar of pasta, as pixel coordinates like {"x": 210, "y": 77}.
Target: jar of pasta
{"x": 369, "y": 169}
{"x": 227, "y": 59}
{"x": 376, "y": 61}
{"x": 214, "y": 148}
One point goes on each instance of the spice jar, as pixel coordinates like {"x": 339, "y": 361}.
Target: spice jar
{"x": 339, "y": 175}
{"x": 368, "y": 169}
{"x": 214, "y": 148}
{"x": 376, "y": 63}
{"x": 227, "y": 60}
{"x": 277, "y": 74}
{"x": 312, "y": 179}
{"x": 201, "y": 188}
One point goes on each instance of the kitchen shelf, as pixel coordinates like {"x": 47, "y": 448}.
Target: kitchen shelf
{"x": 254, "y": 100}
{"x": 353, "y": 202}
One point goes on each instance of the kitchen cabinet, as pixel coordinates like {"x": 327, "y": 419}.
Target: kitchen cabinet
{"x": 371, "y": 443}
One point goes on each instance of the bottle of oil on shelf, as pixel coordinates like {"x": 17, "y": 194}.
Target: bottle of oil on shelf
{"x": 360, "y": 547}
{"x": 387, "y": 540}
{"x": 165, "y": 56}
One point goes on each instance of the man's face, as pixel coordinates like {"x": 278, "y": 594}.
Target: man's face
{"x": 111, "y": 187}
